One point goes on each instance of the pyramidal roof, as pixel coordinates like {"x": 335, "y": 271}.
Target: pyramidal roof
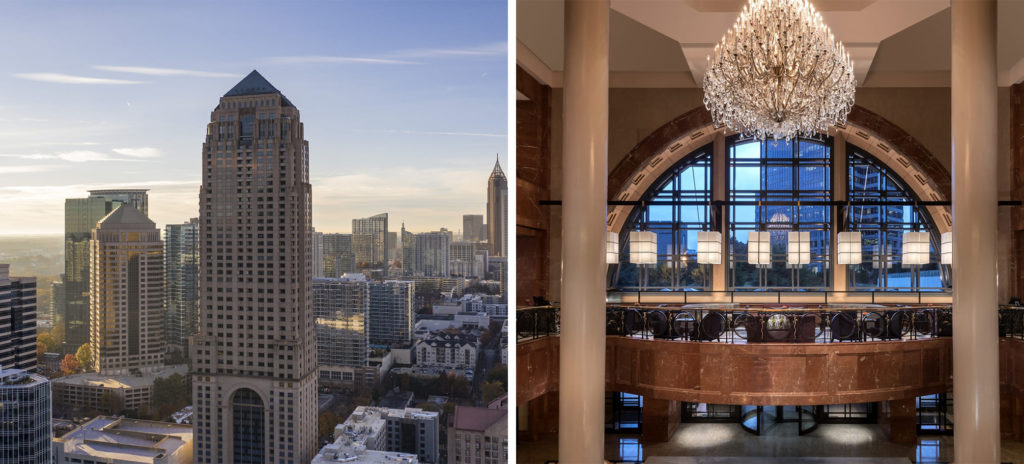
{"x": 126, "y": 215}
{"x": 497, "y": 172}
{"x": 253, "y": 84}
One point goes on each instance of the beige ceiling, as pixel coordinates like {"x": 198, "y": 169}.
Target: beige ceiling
{"x": 664, "y": 43}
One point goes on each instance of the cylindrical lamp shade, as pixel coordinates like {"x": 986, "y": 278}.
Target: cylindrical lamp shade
{"x": 709, "y": 247}
{"x": 759, "y": 248}
{"x": 643, "y": 247}
{"x": 915, "y": 248}
{"x": 611, "y": 247}
{"x": 849, "y": 251}
{"x": 798, "y": 250}
{"x": 947, "y": 248}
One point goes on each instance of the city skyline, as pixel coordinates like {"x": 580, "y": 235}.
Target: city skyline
{"x": 87, "y": 112}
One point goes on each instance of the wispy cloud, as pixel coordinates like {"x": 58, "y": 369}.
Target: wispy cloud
{"x": 422, "y": 132}
{"x": 138, "y": 152}
{"x": 149, "y": 71}
{"x": 24, "y": 169}
{"x": 85, "y": 156}
{"x": 58, "y": 78}
{"x": 334, "y": 59}
{"x": 491, "y": 49}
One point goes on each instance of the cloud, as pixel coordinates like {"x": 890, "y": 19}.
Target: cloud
{"x": 23, "y": 169}
{"x": 138, "y": 152}
{"x": 334, "y": 59}
{"x": 69, "y": 79}
{"x": 420, "y": 132}
{"x": 491, "y": 49}
{"x": 81, "y": 156}
{"x": 148, "y": 71}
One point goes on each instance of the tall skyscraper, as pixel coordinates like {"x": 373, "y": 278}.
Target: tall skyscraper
{"x": 408, "y": 251}
{"x": 80, "y": 217}
{"x": 463, "y": 260}
{"x": 17, "y": 321}
{"x": 181, "y": 279}
{"x": 254, "y": 360}
{"x": 316, "y": 247}
{"x": 362, "y": 251}
{"x": 431, "y": 256}
{"x": 27, "y": 432}
{"x": 126, "y": 293}
{"x": 391, "y": 320}
{"x": 338, "y": 255}
{"x": 497, "y": 212}
{"x": 377, "y": 228}
{"x": 341, "y": 307}
{"x": 473, "y": 228}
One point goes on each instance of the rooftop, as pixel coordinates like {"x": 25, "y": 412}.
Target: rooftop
{"x": 126, "y": 440}
{"x": 477, "y": 419}
{"x": 10, "y": 378}
{"x": 120, "y": 381}
{"x": 126, "y": 215}
{"x": 255, "y": 84}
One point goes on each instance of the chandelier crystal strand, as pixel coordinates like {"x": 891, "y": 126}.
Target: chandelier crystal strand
{"x": 779, "y": 73}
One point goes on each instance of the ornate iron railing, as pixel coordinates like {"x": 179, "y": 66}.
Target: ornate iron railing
{"x": 1011, "y": 321}
{"x": 766, "y": 323}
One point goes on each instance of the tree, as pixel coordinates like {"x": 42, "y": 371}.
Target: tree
{"x": 69, "y": 365}
{"x": 84, "y": 356}
{"x": 491, "y": 390}
{"x": 498, "y": 373}
{"x": 170, "y": 394}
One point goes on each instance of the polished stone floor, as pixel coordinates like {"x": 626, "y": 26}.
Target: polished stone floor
{"x": 779, "y": 444}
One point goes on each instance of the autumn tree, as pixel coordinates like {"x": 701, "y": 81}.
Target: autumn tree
{"x": 69, "y": 365}
{"x": 84, "y": 356}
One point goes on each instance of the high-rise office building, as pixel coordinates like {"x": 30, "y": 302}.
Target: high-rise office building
{"x": 126, "y": 293}
{"x": 362, "y": 251}
{"x": 80, "y": 217}
{"x": 316, "y": 248}
{"x": 463, "y": 260}
{"x": 473, "y": 228}
{"x": 390, "y": 320}
{"x": 57, "y": 298}
{"x": 181, "y": 280}
{"x": 431, "y": 254}
{"x": 27, "y": 418}
{"x": 497, "y": 212}
{"x": 341, "y": 307}
{"x": 17, "y": 321}
{"x": 254, "y": 360}
{"x": 393, "y": 248}
{"x": 408, "y": 251}
{"x": 377, "y": 228}
{"x": 338, "y": 255}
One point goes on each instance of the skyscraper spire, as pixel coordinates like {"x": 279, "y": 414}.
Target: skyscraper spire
{"x": 497, "y": 211}
{"x": 497, "y": 172}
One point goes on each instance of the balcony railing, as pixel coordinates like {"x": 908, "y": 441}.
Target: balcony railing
{"x": 767, "y": 324}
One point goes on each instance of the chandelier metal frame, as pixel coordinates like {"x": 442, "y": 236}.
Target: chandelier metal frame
{"x": 779, "y": 73}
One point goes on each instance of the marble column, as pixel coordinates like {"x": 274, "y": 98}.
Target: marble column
{"x": 840, "y": 223}
{"x": 975, "y": 335}
{"x": 584, "y": 215}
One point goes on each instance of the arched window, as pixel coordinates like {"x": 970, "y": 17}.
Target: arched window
{"x": 248, "y": 434}
{"x": 779, "y": 187}
{"x": 675, "y": 209}
{"x": 882, "y": 227}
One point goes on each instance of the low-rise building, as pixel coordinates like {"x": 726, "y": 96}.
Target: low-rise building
{"x": 116, "y": 440}
{"x": 375, "y": 434}
{"x": 448, "y": 350}
{"x": 109, "y": 394}
{"x": 479, "y": 435}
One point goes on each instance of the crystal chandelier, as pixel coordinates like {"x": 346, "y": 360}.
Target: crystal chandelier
{"x": 779, "y": 73}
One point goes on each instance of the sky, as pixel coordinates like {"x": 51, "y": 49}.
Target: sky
{"x": 404, "y": 102}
